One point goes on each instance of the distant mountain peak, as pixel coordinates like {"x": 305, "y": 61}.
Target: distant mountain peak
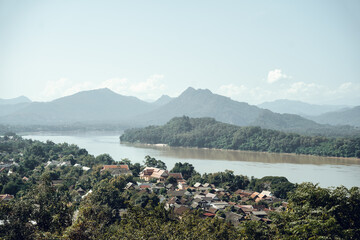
{"x": 20, "y": 99}
{"x": 100, "y": 90}
{"x": 164, "y": 99}
{"x": 192, "y": 91}
{"x": 189, "y": 89}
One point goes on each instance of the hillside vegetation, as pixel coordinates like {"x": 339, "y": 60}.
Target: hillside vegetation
{"x": 47, "y": 203}
{"x": 209, "y": 133}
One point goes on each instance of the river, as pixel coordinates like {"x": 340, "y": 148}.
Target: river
{"x": 296, "y": 168}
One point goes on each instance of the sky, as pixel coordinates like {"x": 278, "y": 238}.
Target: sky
{"x": 251, "y": 51}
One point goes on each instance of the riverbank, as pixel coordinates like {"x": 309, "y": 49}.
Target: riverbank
{"x": 296, "y": 168}
{"x": 340, "y": 160}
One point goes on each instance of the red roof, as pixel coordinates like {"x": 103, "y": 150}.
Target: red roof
{"x": 209, "y": 214}
{"x": 178, "y": 176}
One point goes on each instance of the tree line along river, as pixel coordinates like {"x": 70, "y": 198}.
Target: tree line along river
{"x": 327, "y": 171}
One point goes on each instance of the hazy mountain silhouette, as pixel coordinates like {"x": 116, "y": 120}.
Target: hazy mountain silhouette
{"x": 101, "y": 105}
{"x": 342, "y": 117}
{"x": 104, "y": 106}
{"x": 203, "y": 103}
{"x": 299, "y": 108}
{"x": 17, "y": 100}
{"x": 164, "y": 99}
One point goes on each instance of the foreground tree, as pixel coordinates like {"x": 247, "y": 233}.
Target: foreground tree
{"x": 153, "y": 162}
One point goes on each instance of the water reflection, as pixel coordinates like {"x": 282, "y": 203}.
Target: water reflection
{"x": 246, "y": 156}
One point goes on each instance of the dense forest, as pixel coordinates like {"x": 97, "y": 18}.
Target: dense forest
{"x": 208, "y": 133}
{"x": 47, "y": 203}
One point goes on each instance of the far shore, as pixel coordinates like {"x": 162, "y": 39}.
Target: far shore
{"x": 244, "y": 151}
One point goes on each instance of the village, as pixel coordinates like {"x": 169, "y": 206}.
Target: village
{"x": 176, "y": 194}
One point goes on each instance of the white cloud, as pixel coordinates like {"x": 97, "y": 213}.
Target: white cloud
{"x": 305, "y": 88}
{"x": 151, "y": 84}
{"x": 79, "y": 87}
{"x": 275, "y": 75}
{"x": 349, "y": 86}
{"x": 151, "y": 88}
{"x": 54, "y": 89}
{"x": 302, "y": 91}
{"x": 232, "y": 90}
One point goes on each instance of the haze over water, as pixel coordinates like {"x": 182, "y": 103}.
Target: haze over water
{"x": 297, "y": 168}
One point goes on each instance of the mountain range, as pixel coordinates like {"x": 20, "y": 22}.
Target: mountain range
{"x": 103, "y": 106}
{"x": 300, "y": 108}
{"x": 94, "y": 106}
{"x": 341, "y": 117}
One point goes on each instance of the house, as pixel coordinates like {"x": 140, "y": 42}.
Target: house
{"x": 206, "y": 185}
{"x": 117, "y": 170}
{"x": 254, "y": 195}
{"x": 179, "y": 193}
{"x": 212, "y": 210}
{"x": 234, "y": 218}
{"x": 207, "y": 215}
{"x": 196, "y": 185}
{"x": 220, "y": 204}
{"x": 266, "y": 199}
{"x": 246, "y": 209}
{"x": 154, "y": 173}
{"x": 265, "y": 194}
{"x": 194, "y": 205}
{"x": 57, "y": 163}
{"x": 212, "y": 196}
{"x": 201, "y": 203}
{"x": 145, "y": 186}
{"x": 202, "y": 189}
{"x": 259, "y": 214}
{"x": 173, "y": 201}
{"x": 52, "y": 163}
{"x": 84, "y": 168}
{"x": 181, "y": 210}
{"x": 178, "y": 176}
{"x": 243, "y": 193}
{"x": 6, "y": 197}
{"x": 182, "y": 185}
{"x": 170, "y": 186}
{"x": 131, "y": 186}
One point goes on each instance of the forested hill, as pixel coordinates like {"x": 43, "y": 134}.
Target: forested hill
{"x": 209, "y": 133}
{"x": 203, "y": 103}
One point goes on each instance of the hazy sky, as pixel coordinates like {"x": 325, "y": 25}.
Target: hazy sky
{"x": 251, "y": 51}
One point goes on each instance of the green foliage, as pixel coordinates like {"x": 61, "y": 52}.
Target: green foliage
{"x": 152, "y": 162}
{"x": 225, "y": 179}
{"x": 315, "y": 212}
{"x": 171, "y": 180}
{"x": 279, "y": 186}
{"x": 42, "y": 210}
{"x": 208, "y": 133}
{"x": 186, "y": 169}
